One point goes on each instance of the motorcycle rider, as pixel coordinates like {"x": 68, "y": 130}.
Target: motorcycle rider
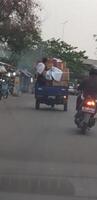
{"x": 88, "y": 87}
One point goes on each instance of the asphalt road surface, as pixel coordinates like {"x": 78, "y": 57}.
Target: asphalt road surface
{"x": 43, "y": 156}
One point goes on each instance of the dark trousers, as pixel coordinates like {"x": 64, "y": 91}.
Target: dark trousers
{"x": 78, "y": 102}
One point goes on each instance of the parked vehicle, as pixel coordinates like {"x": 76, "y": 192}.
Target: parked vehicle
{"x": 72, "y": 89}
{"x": 4, "y": 90}
{"x": 85, "y": 117}
{"x": 11, "y": 88}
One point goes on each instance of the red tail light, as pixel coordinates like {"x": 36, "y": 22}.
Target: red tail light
{"x": 91, "y": 103}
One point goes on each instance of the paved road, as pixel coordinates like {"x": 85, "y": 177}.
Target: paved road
{"x": 43, "y": 153}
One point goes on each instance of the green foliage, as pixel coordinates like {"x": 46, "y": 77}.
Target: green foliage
{"x": 66, "y": 52}
{"x": 19, "y": 24}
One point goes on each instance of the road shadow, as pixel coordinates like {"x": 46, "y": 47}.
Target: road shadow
{"x": 31, "y": 109}
{"x": 77, "y": 132}
{"x": 49, "y": 109}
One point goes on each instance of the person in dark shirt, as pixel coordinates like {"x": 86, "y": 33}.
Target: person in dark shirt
{"x": 88, "y": 87}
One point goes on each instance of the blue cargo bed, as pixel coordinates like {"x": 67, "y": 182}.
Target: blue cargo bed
{"x": 51, "y": 95}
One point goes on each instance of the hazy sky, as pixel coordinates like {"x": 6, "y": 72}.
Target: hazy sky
{"x": 80, "y": 22}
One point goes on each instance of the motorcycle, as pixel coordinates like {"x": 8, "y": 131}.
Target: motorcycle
{"x": 11, "y": 88}
{"x": 85, "y": 116}
{"x": 0, "y": 90}
{"x": 4, "y": 92}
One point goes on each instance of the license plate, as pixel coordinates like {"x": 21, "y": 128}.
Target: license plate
{"x": 88, "y": 110}
{"x": 51, "y": 97}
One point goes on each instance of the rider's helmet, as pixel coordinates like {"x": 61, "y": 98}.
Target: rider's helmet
{"x": 93, "y": 71}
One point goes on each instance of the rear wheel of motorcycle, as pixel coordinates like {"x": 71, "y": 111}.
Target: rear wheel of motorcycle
{"x": 84, "y": 129}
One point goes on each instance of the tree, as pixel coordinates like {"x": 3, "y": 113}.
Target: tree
{"x": 95, "y": 38}
{"x": 66, "y": 52}
{"x": 19, "y": 24}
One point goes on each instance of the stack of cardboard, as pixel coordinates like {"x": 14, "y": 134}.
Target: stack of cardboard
{"x": 65, "y": 76}
{"x": 61, "y": 66}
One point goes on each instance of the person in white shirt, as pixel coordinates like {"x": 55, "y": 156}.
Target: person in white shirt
{"x": 40, "y": 69}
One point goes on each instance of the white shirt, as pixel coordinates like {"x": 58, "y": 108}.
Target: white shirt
{"x": 40, "y": 67}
